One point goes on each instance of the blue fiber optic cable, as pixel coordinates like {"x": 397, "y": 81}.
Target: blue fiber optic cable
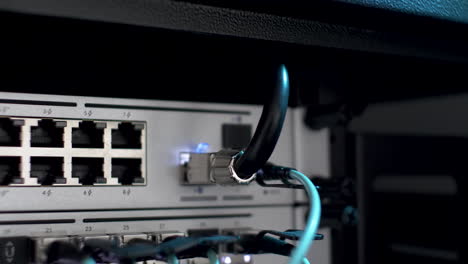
{"x": 212, "y": 256}
{"x": 172, "y": 259}
{"x": 313, "y": 220}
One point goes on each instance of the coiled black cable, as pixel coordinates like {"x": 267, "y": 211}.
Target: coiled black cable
{"x": 268, "y": 129}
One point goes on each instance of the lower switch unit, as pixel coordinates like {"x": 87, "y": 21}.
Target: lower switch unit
{"x": 54, "y": 237}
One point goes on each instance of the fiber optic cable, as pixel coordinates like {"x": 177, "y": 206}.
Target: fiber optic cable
{"x": 172, "y": 259}
{"x": 313, "y": 220}
{"x": 212, "y": 256}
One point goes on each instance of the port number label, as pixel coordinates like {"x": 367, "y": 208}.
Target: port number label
{"x": 125, "y": 227}
{"x": 126, "y": 192}
{"x": 237, "y": 119}
{"x": 47, "y": 111}
{"x": 4, "y": 109}
{"x": 127, "y": 114}
{"x": 88, "y": 228}
{"x": 88, "y": 113}
{"x": 47, "y": 193}
{"x": 48, "y": 230}
{"x": 88, "y": 192}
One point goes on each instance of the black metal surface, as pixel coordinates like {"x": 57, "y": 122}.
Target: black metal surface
{"x": 75, "y": 57}
{"x": 419, "y": 17}
{"x": 331, "y": 25}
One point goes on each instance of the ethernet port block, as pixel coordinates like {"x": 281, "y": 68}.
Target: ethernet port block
{"x": 89, "y": 171}
{"x": 48, "y": 133}
{"x": 10, "y": 132}
{"x": 47, "y": 170}
{"x": 127, "y": 171}
{"x": 127, "y": 136}
{"x": 10, "y": 172}
{"x": 89, "y": 134}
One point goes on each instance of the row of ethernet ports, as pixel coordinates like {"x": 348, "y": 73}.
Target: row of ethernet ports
{"x": 49, "y": 249}
{"x": 46, "y": 249}
{"x": 89, "y": 171}
{"x": 89, "y": 134}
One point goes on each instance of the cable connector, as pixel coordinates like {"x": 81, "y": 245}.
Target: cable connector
{"x": 271, "y": 172}
{"x": 213, "y": 168}
{"x": 222, "y": 168}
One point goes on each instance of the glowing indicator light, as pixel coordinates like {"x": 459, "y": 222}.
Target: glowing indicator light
{"x": 227, "y": 260}
{"x": 247, "y": 258}
{"x": 202, "y": 148}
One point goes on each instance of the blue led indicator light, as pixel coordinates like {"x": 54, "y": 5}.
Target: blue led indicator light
{"x": 202, "y": 147}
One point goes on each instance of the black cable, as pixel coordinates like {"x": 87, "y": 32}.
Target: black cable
{"x": 268, "y": 129}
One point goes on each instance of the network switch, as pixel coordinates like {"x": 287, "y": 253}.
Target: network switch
{"x": 81, "y": 168}
{"x": 81, "y": 153}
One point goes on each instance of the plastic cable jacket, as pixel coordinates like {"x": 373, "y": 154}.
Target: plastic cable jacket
{"x": 313, "y": 220}
{"x": 172, "y": 259}
{"x": 268, "y": 129}
{"x": 212, "y": 257}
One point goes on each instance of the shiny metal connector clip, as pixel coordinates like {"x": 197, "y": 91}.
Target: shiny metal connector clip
{"x": 222, "y": 168}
